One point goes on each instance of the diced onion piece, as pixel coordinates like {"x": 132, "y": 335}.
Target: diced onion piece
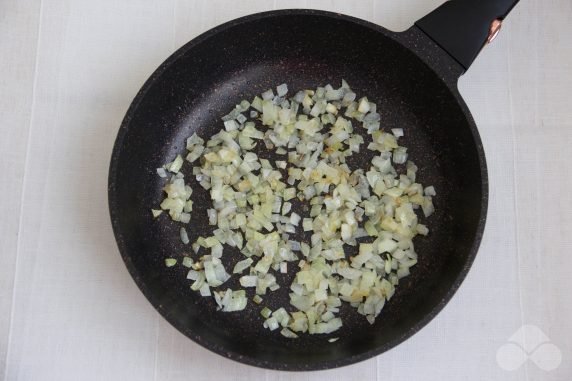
{"x": 271, "y": 323}
{"x": 231, "y": 125}
{"x": 248, "y": 281}
{"x": 205, "y": 290}
{"x": 282, "y": 90}
{"x": 329, "y": 327}
{"x": 400, "y": 155}
{"x": 267, "y": 95}
{"x": 170, "y": 262}
{"x": 422, "y": 229}
{"x": 236, "y": 302}
{"x": 187, "y": 262}
{"x": 286, "y": 207}
{"x": 184, "y": 236}
{"x": 387, "y": 246}
{"x": 287, "y": 333}
{"x": 430, "y": 191}
{"x": 363, "y": 106}
{"x": 266, "y": 312}
{"x": 176, "y": 165}
{"x": 289, "y": 194}
{"x": 242, "y": 265}
{"x": 295, "y": 219}
{"x": 161, "y": 172}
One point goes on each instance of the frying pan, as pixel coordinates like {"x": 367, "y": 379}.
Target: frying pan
{"x": 411, "y": 75}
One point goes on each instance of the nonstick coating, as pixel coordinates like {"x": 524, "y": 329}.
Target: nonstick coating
{"x": 203, "y": 81}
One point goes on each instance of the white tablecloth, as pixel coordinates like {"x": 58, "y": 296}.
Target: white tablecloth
{"x": 70, "y": 311}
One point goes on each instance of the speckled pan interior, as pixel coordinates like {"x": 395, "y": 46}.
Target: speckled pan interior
{"x": 414, "y": 85}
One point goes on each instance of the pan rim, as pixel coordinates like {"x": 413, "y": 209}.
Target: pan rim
{"x": 449, "y": 81}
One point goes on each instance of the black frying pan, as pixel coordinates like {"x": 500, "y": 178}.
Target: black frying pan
{"x": 412, "y": 76}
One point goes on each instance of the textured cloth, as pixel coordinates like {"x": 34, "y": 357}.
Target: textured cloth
{"x": 70, "y": 311}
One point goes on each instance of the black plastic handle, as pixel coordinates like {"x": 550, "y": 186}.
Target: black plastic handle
{"x": 462, "y": 27}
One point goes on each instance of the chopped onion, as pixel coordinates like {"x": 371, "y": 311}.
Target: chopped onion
{"x": 170, "y": 262}
{"x": 282, "y": 90}
{"x": 187, "y": 262}
{"x": 176, "y": 165}
{"x": 205, "y": 290}
{"x": 242, "y": 265}
{"x": 161, "y": 172}
{"x": 287, "y": 333}
{"x": 230, "y": 125}
{"x": 430, "y": 191}
{"x": 248, "y": 281}
{"x": 400, "y": 155}
{"x": 374, "y": 209}
{"x": 236, "y": 302}
{"x": 267, "y": 95}
{"x": 266, "y": 312}
{"x": 184, "y": 236}
{"x": 271, "y": 323}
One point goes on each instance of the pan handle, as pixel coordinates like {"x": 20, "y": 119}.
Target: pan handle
{"x": 463, "y": 27}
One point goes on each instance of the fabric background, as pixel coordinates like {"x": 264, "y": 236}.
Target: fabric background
{"x": 70, "y": 311}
